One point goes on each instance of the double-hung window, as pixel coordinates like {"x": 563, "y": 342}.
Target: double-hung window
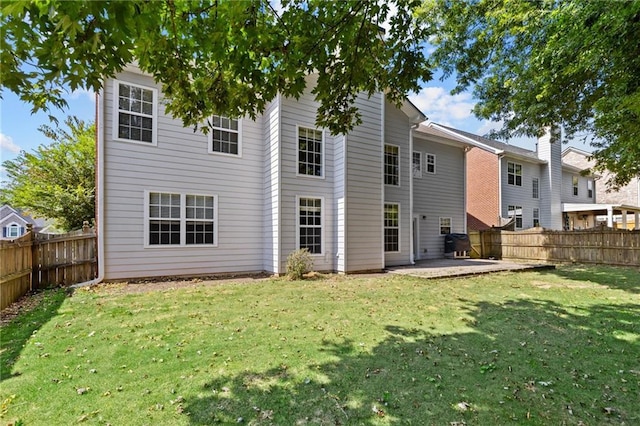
{"x": 310, "y": 152}
{"x": 175, "y": 219}
{"x": 225, "y": 136}
{"x": 392, "y": 165}
{"x": 391, "y": 227}
{"x": 431, "y": 163}
{"x": 536, "y": 217}
{"x": 535, "y": 184}
{"x": 574, "y": 183}
{"x": 135, "y": 116}
{"x": 514, "y": 174}
{"x": 445, "y": 225}
{"x": 310, "y": 224}
{"x": 590, "y": 189}
{"x": 516, "y": 212}
{"x": 417, "y": 164}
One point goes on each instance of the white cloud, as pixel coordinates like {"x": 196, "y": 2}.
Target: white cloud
{"x": 6, "y": 143}
{"x": 80, "y": 93}
{"x": 488, "y": 126}
{"x": 440, "y": 106}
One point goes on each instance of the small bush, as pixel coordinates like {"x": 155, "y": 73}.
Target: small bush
{"x": 299, "y": 262}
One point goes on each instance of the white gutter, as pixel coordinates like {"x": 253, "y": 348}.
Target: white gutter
{"x": 99, "y": 190}
{"x": 466, "y": 139}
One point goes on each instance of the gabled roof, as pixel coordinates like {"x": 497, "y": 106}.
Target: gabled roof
{"x": 7, "y": 211}
{"x": 492, "y": 145}
{"x": 577, "y": 151}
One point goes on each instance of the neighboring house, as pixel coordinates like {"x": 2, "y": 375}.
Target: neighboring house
{"x": 241, "y": 198}
{"x": 14, "y": 222}
{"x": 619, "y": 200}
{"x": 506, "y": 183}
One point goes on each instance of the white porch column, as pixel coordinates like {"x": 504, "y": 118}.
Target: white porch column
{"x": 636, "y": 216}
{"x": 610, "y": 217}
{"x": 624, "y": 219}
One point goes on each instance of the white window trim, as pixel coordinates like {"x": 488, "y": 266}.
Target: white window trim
{"x": 575, "y": 186}
{"x": 440, "y": 225}
{"x": 116, "y": 111}
{"x": 417, "y": 173}
{"x": 384, "y": 243}
{"x": 13, "y": 225}
{"x": 590, "y": 188}
{"x": 536, "y": 210}
{"x": 322, "y": 227}
{"x": 322, "y": 166}
{"x": 183, "y": 220}
{"x": 426, "y": 163}
{"x": 399, "y": 167}
{"x": 210, "y": 139}
{"x": 515, "y": 174}
{"x": 515, "y": 215}
{"x": 535, "y": 196}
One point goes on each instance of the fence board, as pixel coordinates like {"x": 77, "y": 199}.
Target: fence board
{"x": 39, "y": 260}
{"x": 598, "y": 246}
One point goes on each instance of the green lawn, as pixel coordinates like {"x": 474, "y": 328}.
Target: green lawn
{"x": 553, "y": 347}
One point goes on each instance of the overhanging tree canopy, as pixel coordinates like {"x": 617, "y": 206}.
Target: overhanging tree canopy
{"x": 537, "y": 63}
{"x": 223, "y": 57}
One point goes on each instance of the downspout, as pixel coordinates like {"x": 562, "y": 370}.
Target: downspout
{"x": 382, "y": 137}
{"x": 99, "y": 190}
{"x": 412, "y": 231}
{"x": 500, "y": 157}
{"x": 464, "y": 198}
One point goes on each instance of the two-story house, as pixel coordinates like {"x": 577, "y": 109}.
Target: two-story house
{"x": 625, "y": 200}
{"x": 509, "y": 184}
{"x": 14, "y": 222}
{"x": 240, "y": 198}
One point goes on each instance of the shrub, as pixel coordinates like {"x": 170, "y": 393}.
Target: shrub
{"x": 299, "y": 262}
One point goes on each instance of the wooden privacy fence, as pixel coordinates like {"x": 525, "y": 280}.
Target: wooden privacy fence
{"x": 601, "y": 245}
{"x": 36, "y": 261}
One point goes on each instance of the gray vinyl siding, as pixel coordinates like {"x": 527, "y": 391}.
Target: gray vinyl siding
{"x": 363, "y": 189}
{"x": 271, "y": 128}
{"x": 438, "y": 195}
{"x": 295, "y": 113}
{"x": 567, "y": 188}
{"x": 180, "y": 163}
{"x": 521, "y": 195}
{"x": 397, "y": 132}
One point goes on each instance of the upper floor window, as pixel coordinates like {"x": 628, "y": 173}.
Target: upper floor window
{"x": 310, "y": 152}
{"x": 535, "y": 184}
{"x": 574, "y": 183}
{"x": 431, "y": 163}
{"x": 514, "y": 174}
{"x": 225, "y": 135}
{"x": 590, "y": 188}
{"x": 516, "y": 212}
{"x": 391, "y": 165}
{"x": 13, "y": 231}
{"x": 135, "y": 113}
{"x": 417, "y": 164}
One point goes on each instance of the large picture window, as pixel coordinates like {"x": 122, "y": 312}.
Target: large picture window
{"x": 310, "y": 149}
{"x": 181, "y": 219}
{"x": 310, "y": 224}
{"x": 514, "y": 174}
{"x": 391, "y": 165}
{"x": 135, "y": 113}
{"x": 225, "y": 135}
{"x": 391, "y": 227}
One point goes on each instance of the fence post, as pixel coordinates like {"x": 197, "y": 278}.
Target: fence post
{"x": 34, "y": 282}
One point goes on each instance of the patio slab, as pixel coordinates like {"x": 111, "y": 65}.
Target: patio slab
{"x": 448, "y": 268}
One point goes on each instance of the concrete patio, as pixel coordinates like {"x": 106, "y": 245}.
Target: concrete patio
{"x": 449, "y": 268}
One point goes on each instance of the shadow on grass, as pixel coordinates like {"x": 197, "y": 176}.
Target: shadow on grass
{"x": 618, "y": 277}
{"x": 14, "y": 335}
{"x": 518, "y": 361}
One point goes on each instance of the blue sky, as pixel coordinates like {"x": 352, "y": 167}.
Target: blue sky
{"x": 19, "y": 128}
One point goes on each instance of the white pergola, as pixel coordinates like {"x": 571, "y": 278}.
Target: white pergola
{"x": 609, "y": 210}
